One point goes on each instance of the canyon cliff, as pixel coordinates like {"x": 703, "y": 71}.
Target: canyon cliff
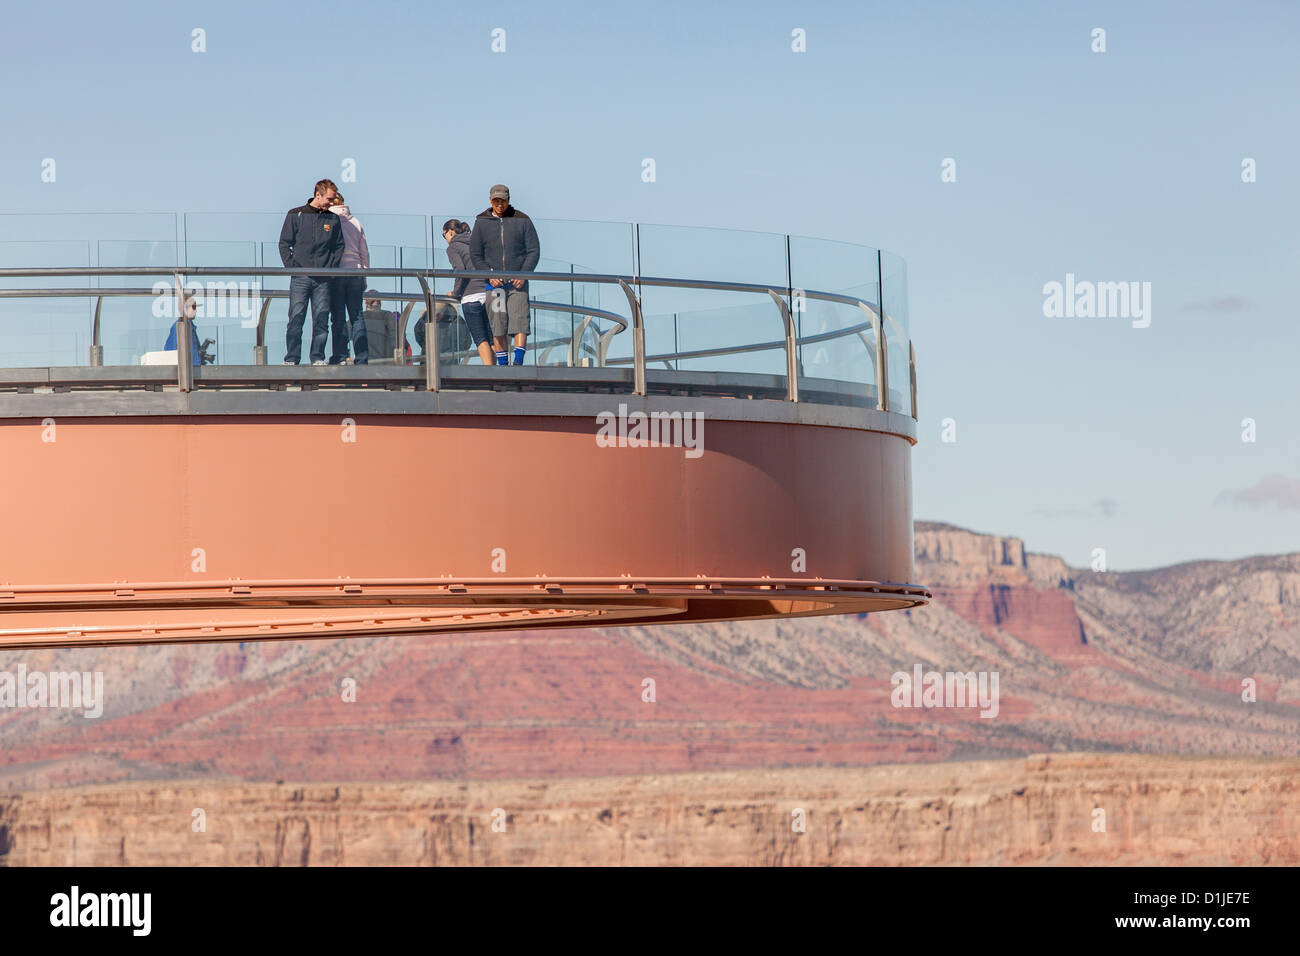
{"x": 1201, "y": 659}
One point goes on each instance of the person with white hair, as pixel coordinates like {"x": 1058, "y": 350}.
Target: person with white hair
{"x": 346, "y": 292}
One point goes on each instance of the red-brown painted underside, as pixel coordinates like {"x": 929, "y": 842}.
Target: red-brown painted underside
{"x": 257, "y": 527}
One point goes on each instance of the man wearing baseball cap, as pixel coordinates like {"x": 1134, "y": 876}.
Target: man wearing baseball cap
{"x": 505, "y": 240}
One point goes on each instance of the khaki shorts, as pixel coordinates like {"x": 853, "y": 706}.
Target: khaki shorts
{"x": 508, "y": 311}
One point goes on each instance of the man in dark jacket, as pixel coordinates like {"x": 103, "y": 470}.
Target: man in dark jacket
{"x": 505, "y": 240}
{"x": 312, "y": 237}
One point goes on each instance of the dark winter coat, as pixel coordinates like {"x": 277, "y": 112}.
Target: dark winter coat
{"x": 459, "y": 257}
{"x": 507, "y": 244}
{"x": 311, "y": 238}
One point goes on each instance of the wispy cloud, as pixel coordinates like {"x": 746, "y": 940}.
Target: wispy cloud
{"x": 1277, "y": 490}
{"x": 1101, "y": 508}
{"x": 1228, "y": 303}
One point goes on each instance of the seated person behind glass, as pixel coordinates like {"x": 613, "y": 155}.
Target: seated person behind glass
{"x": 191, "y": 306}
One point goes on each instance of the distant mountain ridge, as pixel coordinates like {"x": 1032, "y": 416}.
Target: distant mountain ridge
{"x": 1149, "y": 661}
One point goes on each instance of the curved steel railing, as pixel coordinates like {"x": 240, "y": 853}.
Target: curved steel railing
{"x": 876, "y": 319}
{"x": 268, "y": 295}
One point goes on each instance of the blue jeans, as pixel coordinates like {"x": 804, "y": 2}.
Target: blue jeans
{"x": 345, "y": 297}
{"x": 476, "y": 319}
{"x": 302, "y": 288}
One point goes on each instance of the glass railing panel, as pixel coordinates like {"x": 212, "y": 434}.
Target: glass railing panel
{"x": 593, "y": 247}
{"x": 45, "y": 254}
{"x": 404, "y": 257}
{"x": 838, "y": 345}
{"x": 215, "y": 239}
{"x": 838, "y": 339}
{"x": 268, "y": 256}
{"x": 411, "y": 257}
{"x": 897, "y": 335}
{"x": 131, "y": 326}
{"x": 230, "y": 304}
{"x": 415, "y": 257}
{"x": 202, "y": 229}
{"x": 727, "y": 334}
{"x": 156, "y": 253}
{"x": 264, "y": 229}
{"x": 595, "y": 332}
{"x": 729, "y": 255}
{"x": 686, "y": 329}
{"x": 663, "y": 337}
{"x": 552, "y": 329}
{"x": 42, "y": 332}
{"x": 591, "y": 339}
{"x": 393, "y": 229}
{"x": 691, "y": 320}
{"x": 88, "y": 228}
{"x": 277, "y": 314}
{"x": 57, "y": 331}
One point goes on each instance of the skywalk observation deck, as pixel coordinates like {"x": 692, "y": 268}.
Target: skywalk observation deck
{"x": 710, "y": 425}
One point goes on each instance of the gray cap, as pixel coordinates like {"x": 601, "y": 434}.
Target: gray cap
{"x": 499, "y": 192}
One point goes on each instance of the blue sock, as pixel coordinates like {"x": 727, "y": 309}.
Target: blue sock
{"x": 501, "y": 358}
{"x": 519, "y": 355}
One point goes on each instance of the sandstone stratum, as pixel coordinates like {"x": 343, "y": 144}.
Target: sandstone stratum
{"x": 1152, "y": 662}
{"x": 1059, "y": 809}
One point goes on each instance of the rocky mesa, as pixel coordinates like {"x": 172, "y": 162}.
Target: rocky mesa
{"x": 1057, "y": 809}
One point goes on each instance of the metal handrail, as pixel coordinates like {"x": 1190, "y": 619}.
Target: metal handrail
{"x": 877, "y": 318}
{"x": 638, "y": 339}
{"x": 911, "y": 375}
{"x": 791, "y": 346}
{"x": 184, "y": 336}
{"x": 267, "y": 295}
{"x": 411, "y": 298}
{"x": 760, "y": 346}
{"x": 567, "y": 277}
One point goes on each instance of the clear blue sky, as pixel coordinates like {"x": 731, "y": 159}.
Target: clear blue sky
{"x": 1123, "y": 165}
